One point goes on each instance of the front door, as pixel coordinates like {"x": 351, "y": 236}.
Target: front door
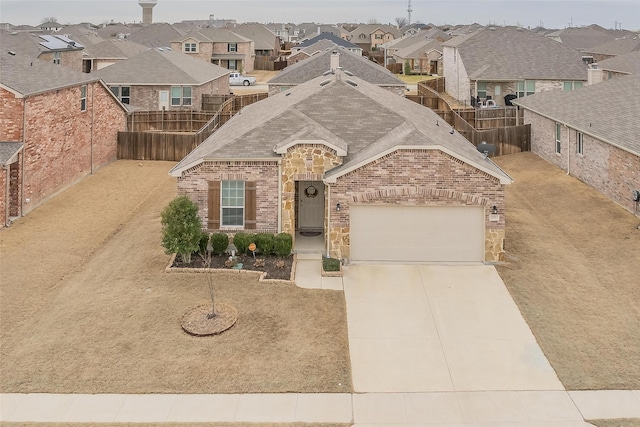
{"x": 310, "y": 206}
{"x": 163, "y": 100}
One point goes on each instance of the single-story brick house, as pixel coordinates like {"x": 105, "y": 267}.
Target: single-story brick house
{"x": 57, "y": 125}
{"x": 161, "y": 79}
{"x": 592, "y": 133}
{"x": 381, "y": 177}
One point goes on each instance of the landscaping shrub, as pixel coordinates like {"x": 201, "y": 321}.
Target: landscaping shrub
{"x": 181, "y": 227}
{"x": 282, "y": 244}
{"x": 204, "y": 242}
{"x": 242, "y": 240}
{"x": 330, "y": 264}
{"x": 264, "y": 243}
{"x": 219, "y": 243}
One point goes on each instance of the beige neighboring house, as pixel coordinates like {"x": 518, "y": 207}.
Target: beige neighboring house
{"x": 266, "y": 42}
{"x": 219, "y": 46}
{"x": 495, "y": 62}
{"x": 108, "y": 52}
{"x": 161, "y": 79}
{"x": 55, "y": 49}
{"x": 622, "y": 45}
{"x": 307, "y": 52}
{"x": 423, "y": 57}
{"x": 371, "y": 37}
{"x": 621, "y": 65}
{"x": 592, "y": 133}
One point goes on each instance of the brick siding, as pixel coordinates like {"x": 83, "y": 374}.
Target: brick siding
{"x": 147, "y": 97}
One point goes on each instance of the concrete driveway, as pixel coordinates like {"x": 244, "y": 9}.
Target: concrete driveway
{"x": 433, "y": 328}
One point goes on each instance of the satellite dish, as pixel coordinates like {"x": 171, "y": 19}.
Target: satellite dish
{"x": 486, "y": 149}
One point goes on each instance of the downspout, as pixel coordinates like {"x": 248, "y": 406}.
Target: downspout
{"x": 24, "y": 141}
{"x": 93, "y": 109}
{"x": 7, "y": 195}
{"x": 328, "y": 233}
{"x": 569, "y": 151}
{"x": 279, "y": 195}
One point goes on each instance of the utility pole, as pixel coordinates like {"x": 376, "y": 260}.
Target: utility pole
{"x": 409, "y": 10}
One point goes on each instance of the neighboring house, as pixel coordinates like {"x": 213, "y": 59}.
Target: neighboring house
{"x": 592, "y": 133}
{"x": 424, "y": 57}
{"x": 218, "y": 46}
{"x": 372, "y": 171}
{"x": 585, "y": 38}
{"x": 164, "y": 80}
{"x": 620, "y": 46}
{"x": 154, "y": 35}
{"x": 52, "y": 26}
{"x": 621, "y": 65}
{"x": 56, "y": 126}
{"x": 498, "y": 61}
{"x": 282, "y": 30}
{"x": 111, "y": 51}
{"x": 266, "y": 42}
{"x": 55, "y": 49}
{"x": 415, "y": 28}
{"x": 406, "y": 41}
{"x": 316, "y": 48}
{"x": 332, "y": 59}
{"x": 309, "y": 30}
{"x": 371, "y": 37}
{"x": 117, "y": 30}
{"x": 330, "y": 37}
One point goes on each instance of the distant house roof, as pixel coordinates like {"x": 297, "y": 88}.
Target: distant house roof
{"x": 155, "y": 35}
{"x": 607, "y": 111}
{"x": 418, "y": 49}
{"x": 583, "y": 38}
{"x": 218, "y": 35}
{"x": 316, "y": 65}
{"x": 628, "y": 63}
{"x": 319, "y": 46}
{"x": 621, "y": 45}
{"x": 59, "y": 42}
{"x": 263, "y": 37}
{"x": 32, "y": 45}
{"x": 156, "y": 67}
{"x": 511, "y": 53}
{"x": 327, "y": 36}
{"x": 361, "y": 120}
{"x": 27, "y": 76}
{"x": 115, "y": 49}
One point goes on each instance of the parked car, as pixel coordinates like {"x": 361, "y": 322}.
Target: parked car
{"x": 237, "y": 79}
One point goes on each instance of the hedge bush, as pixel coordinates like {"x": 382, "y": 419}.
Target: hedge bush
{"x": 242, "y": 240}
{"x": 282, "y": 244}
{"x": 330, "y": 264}
{"x": 219, "y": 243}
{"x": 181, "y": 227}
{"x": 204, "y": 242}
{"x": 264, "y": 243}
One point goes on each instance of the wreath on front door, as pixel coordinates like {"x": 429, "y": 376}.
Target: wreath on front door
{"x": 311, "y": 191}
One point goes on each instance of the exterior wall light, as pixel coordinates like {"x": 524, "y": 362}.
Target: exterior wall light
{"x": 494, "y": 210}
{"x": 337, "y": 206}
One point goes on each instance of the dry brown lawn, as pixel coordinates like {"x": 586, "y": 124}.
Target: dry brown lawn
{"x": 572, "y": 269}
{"x": 239, "y": 424}
{"x": 616, "y": 422}
{"x": 85, "y": 306}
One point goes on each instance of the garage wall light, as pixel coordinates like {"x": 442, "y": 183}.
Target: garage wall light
{"x": 337, "y": 206}
{"x": 494, "y": 210}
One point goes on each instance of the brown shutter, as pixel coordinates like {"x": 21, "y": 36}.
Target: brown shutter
{"x": 213, "y": 221}
{"x": 250, "y": 205}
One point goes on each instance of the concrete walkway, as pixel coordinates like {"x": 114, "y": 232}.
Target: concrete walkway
{"x": 430, "y": 345}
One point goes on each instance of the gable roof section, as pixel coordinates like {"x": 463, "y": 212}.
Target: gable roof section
{"x": 155, "y": 35}
{"x": 327, "y": 36}
{"x": 369, "y": 29}
{"x": 263, "y": 38}
{"x": 607, "y": 111}
{"x": 621, "y": 45}
{"x": 155, "y": 67}
{"x": 222, "y": 35}
{"x": 584, "y": 38}
{"x": 319, "y": 46}
{"x": 627, "y": 63}
{"x": 417, "y": 49}
{"x": 115, "y": 49}
{"x": 316, "y": 65}
{"x": 510, "y": 53}
{"x": 26, "y": 76}
{"x": 365, "y": 121}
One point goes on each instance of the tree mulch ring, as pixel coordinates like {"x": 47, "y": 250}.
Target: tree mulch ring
{"x": 198, "y": 322}
{"x": 278, "y": 268}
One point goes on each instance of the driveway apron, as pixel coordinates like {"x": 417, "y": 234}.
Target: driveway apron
{"x": 429, "y": 328}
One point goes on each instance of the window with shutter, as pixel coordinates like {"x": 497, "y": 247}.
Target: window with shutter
{"x": 250, "y": 205}
{"x": 213, "y": 220}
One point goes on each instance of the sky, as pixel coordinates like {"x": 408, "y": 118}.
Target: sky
{"x": 529, "y": 13}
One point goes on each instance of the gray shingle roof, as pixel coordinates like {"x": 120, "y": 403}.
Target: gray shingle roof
{"x": 627, "y": 63}
{"x": 221, "y": 35}
{"x": 319, "y": 46}
{"x": 314, "y": 66}
{"x": 29, "y": 76}
{"x": 619, "y": 46}
{"x": 8, "y": 150}
{"x": 584, "y": 38}
{"x": 115, "y": 49}
{"x": 263, "y": 38}
{"x": 417, "y": 49}
{"x": 161, "y": 68}
{"x": 364, "y": 119}
{"x": 607, "y": 111}
{"x": 368, "y": 29}
{"x": 327, "y": 36}
{"x": 155, "y": 35}
{"x": 510, "y": 53}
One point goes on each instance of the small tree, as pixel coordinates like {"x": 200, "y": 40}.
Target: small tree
{"x": 407, "y": 68}
{"x": 181, "y": 228}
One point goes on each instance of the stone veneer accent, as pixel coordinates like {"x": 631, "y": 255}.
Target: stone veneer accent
{"x": 303, "y": 162}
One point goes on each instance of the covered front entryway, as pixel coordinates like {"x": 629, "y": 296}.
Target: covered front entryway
{"x": 310, "y": 206}
{"x": 417, "y": 233}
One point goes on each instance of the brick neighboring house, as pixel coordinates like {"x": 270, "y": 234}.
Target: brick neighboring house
{"x": 54, "y": 49}
{"x": 592, "y": 133}
{"x": 108, "y": 52}
{"x": 218, "y": 46}
{"x": 163, "y": 79}
{"x": 56, "y": 126}
{"x": 331, "y": 59}
{"x": 497, "y": 61}
{"x": 422, "y": 57}
{"x": 381, "y": 177}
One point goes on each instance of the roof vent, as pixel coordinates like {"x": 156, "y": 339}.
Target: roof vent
{"x": 326, "y": 73}
{"x": 348, "y": 73}
{"x": 351, "y": 82}
{"x": 325, "y": 82}
{"x": 12, "y": 53}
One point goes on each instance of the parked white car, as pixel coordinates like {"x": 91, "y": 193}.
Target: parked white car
{"x": 237, "y": 79}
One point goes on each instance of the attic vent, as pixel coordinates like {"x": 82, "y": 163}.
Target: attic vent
{"x": 161, "y": 49}
{"x": 325, "y": 82}
{"x": 351, "y": 82}
{"x": 348, "y": 73}
{"x": 326, "y": 73}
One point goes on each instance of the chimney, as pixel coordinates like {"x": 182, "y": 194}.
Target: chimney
{"x": 594, "y": 74}
{"x": 335, "y": 60}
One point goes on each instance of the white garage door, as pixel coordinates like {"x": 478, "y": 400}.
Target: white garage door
{"x": 417, "y": 233}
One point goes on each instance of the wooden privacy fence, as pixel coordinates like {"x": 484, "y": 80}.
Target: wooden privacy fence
{"x": 167, "y": 121}
{"x": 214, "y": 102}
{"x": 497, "y": 126}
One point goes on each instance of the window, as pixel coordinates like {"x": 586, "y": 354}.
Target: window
{"x": 525, "y": 88}
{"x": 123, "y": 93}
{"x": 482, "y": 90}
{"x": 580, "y": 143}
{"x": 558, "y": 138}
{"x": 190, "y": 47}
{"x": 232, "y": 47}
{"x": 233, "y": 64}
{"x": 56, "y": 58}
{"x": 571, "y": 85}
{"x": 379, "y": 36}
{"x": 180, "y": 95}
{"x": 232, "y": 204}
{"x": 83, "y": 98}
